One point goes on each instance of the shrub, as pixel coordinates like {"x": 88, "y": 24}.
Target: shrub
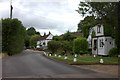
{"x": 80, "y": 45}
{"x": 63, "y": 53}
{"x": 71, "y": 53}
{"x": 33, "y": 40}
{"x": 51, "y": 53}
{"x": 13, "y": 35}
{"x": 65, "y": 46}
{"x": 83, "y": 52}
{"x": 113, "y": 52}
{"x": 53, "y": 45}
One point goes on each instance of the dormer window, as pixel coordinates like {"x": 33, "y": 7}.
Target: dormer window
{"x": 99, "y": 29}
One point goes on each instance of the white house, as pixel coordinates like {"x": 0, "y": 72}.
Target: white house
{"x": 101, "y": 43}
{"x": 43, "y": 40}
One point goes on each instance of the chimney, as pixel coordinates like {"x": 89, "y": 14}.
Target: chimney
{"x": 49, "y": 32}
{"x": 44, "y": 34}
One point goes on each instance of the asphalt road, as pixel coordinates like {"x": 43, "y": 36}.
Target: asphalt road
{"x": 32, "y": 64}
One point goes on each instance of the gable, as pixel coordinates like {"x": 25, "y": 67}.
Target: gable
{"x": 50, "y": 37}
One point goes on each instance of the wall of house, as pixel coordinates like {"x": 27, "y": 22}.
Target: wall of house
{"x": 94, "y": 52}
{"x": 101, "y": 48}
{"x": 109, "y": 43}
{"x": 102, "y": 31}
{"x": 50, "y": 37}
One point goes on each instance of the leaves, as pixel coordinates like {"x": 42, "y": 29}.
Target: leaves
{"x": 13, "y": 35}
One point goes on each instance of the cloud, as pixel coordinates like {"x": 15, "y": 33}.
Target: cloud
{"x": 56, "y": 16}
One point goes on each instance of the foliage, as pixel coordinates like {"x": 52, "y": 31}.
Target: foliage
{"x": 53, "y": 45}
{"x": 93, "y": 33}
{"x": 80, "y": 44}
{"x": 68, "y": 36}
{"x": 27, "y": 41}
{"x": 33, "y": 40}
{"x": 72, "y": 53}
{"x": 13, "y": 35}
{"x": 65, "y": 46}
{"x": 37, "y": 33}
{"x": 86, "y": 24}
{"x": 113, "y": 52}
{"x": 57, "y": 38}
{"x": 63, "y": 53}
{"x": 109, "y": 30}
{"x": 31, "y": 31}
{"x": 83, "y": 52}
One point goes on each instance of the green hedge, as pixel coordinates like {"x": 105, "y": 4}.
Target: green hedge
{"x": 113, "y": 52}
{"x": 80, "y": 45}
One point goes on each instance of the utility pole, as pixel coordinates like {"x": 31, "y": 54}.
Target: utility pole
{"x": 11, "y": 8}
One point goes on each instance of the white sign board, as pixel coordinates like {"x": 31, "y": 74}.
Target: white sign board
{"x": 75, "y": 59}
{"x": 65, "y": 57}
{"x": 101, "y": 61}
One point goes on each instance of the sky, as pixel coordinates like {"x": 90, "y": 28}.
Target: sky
{"x": 56, "y": 16}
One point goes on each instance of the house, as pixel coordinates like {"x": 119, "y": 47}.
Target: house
{"x": 100, "y": 43}
{"x": 43, "y": 40}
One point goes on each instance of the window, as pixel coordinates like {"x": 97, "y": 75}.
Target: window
{"x": 99, "y": 29}
{"x": 43, "y": 43}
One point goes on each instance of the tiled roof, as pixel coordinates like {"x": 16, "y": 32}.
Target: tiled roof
{"x": 77, "y": 34}
{"x": 44, "y": 36}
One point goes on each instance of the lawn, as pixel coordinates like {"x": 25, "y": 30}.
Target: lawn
{"x": 87, "y": 59}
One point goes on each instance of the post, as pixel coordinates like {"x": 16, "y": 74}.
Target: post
{"x": 11, "y": 8}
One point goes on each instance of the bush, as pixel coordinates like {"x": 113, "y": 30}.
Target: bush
{"x": 71, "y": 53}
{"x": 63, "y": 53}
{"x": 113, "y": 52}
{"x": 80, "y": 45}
{"x": 65, "y": 46}
{"x": 13, "y": 35}
{"x": 51, "y": 53}
{"x": 83, "y": 52}
{"x": 53, "y": 45}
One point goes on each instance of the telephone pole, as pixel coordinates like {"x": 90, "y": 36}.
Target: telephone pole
{"x": 11, "y": 8}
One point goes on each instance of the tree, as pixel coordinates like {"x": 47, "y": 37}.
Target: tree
{"x": 37, "y": 33}
{"x": 27, "y": 41}
{"x": 13, "y": 35}
{"x": 53, "y": 45}
{"x": 68, "y": 36}
{"x": 33, "y": 41}
{"x": 57, "y": 38}
{"x": 80, "y": 45}
{"x": 86, "y": 24}
{"x": 31, "y": 31}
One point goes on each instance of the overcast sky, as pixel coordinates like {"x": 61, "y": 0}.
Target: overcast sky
{"x": 56, "y": 16}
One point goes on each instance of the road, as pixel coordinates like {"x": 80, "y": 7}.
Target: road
{"x": 32, "y": 64}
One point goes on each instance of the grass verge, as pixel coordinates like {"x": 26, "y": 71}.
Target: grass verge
{"x": 87, "y": 60}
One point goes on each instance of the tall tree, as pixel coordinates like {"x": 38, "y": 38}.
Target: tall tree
{"x": 68, "y": 36}
{"x": 31, "y": 31}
